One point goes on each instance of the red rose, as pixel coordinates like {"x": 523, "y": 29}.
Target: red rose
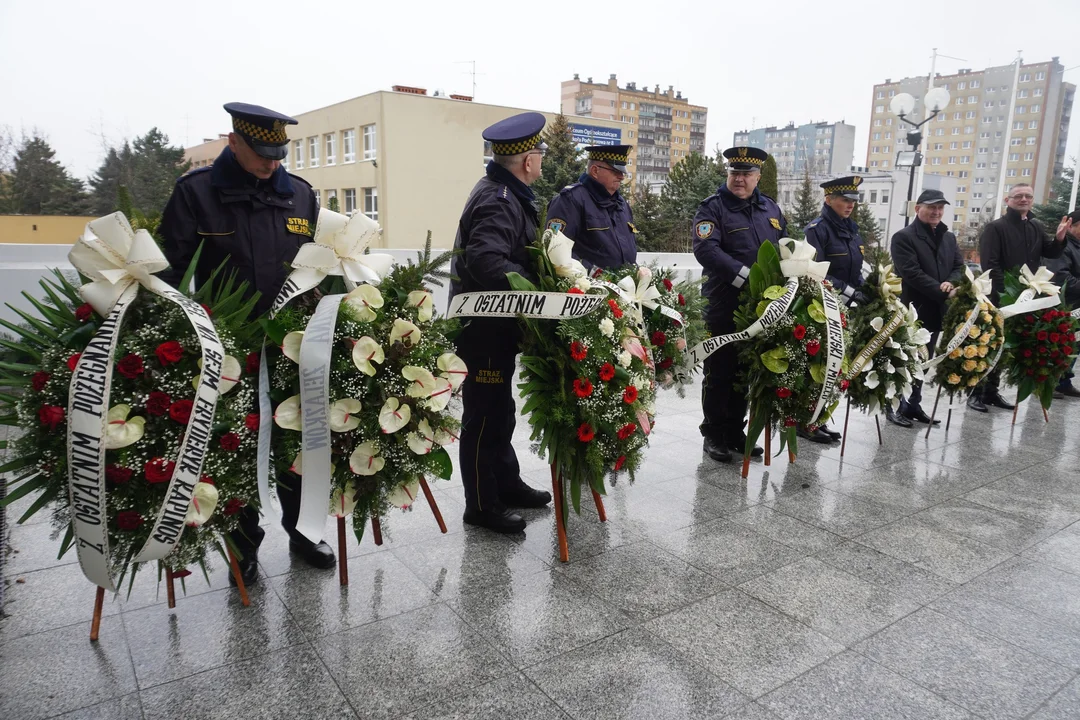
{"x": 118, "y": 474}
{"x": 38, "y": 380}
{"x": 615, "y": 310}
{"x": 158, "y": 403}
{"x": 629, "y": 394}
{"x": 843, "y": 320}
{"x": 73, "y": 361}
{"x": 665, "y": 363}
{"x": 682, "y": 300}
{"x": 233, "y": 506}
{"x": 1042, "y": 361}
{"x": 1030, "y": 319}
{"x": 207, "y": 309}
{"x": 1063, "y": 327}
{"x": 576, "y": 291}
{"x": 128, "y": 520}
{"x": 844, "y": 385}
{"x": 1029, "y": 371}
{"x": 813, "y": 347}
{"x": 658, "y": 338}
{"x": 783, "y": 392}
{"x": 207, "y": 479}
{"x": 84, "y": 312}
{"x": 1072, "y": 337}
{"x": 585, "y": 432}
{"x": 578, "y": 351}
{"x": 251, "y": 422}
{"x": 51, "y": 416}
{"x": 607, "y": 371}
{"x": 1067, "y": 349}
{"x": 251, "y": 364}
{"x": 180, "y": 411}
{"x": 1042, "y": 335}
{"x": 159, "y": 470}
{"x": 1027, "y": 353}
{"x": 620, "y": 462}
{"x": 169, "y": 352}
{"x": 667, "y": 284}
{"x": 230, "y": 441}
{"x": 799, "y": 331}
{"x": 1054, "y": 354}
{"x": 130, "y": 366}
{"x": 582, "y": 387}
{"x": 1055, "y": 337}
{"x": 1048, "y": 316}
{"x": 1042, "y": 350}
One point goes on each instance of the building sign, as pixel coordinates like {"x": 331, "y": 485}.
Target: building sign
{"x": 595, "y": 135}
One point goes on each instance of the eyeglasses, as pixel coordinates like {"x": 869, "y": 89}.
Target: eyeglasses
{"x": 612, "y": 170}
{"x": 1025, "y": 196}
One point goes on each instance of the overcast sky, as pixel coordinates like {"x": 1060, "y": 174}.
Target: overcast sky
{"x": 86, "y": 73}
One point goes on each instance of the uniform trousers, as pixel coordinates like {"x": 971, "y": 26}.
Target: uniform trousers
{"x": 723, "y": 408}
{"x": 489, "y": 465}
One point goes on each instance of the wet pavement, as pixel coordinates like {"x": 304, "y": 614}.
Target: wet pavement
{"x": 920, "y": 578}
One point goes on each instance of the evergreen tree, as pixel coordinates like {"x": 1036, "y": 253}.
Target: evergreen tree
{"x": 116, "y": 171}
{"x": 563, "y": 163}
{"x": 869, "y": 229}
{"x": 40, "y": 185}
{"x": 1057, "y": 206}
{"x": 807, "y": 206}
{"x": 653, "y": 228}
{"x": 332, "y": 204}
{"x": 692, "y": 180}
{"x": 148, "y": 167}
{"x": 767, "y": 184}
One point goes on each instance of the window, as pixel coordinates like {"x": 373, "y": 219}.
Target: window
{"x": 873, "y": 163}
{"x": 298, "y": 148}
{"x": 939, "y": 146}
{"x": 1031, "y": 140}
{"x": 879, "y": 108}
{"x": 880, "y": 95}
{"x": 331, "y": 148}
{"x": 959, "y": 101}
{"x": 884, "y": 163}
{"x": 888, "y": 122}
{"x": 881, "y": 225}
{"x": 974, "y": 84}
{"x": 961, "y": 85}
{"x": 1011, "y": 172}
{"x": 331, "y": 197}
{"x": 988, "y": 104}
{"x": 873, "y": 196}
{"x": 631, "y": 134}
{"x": 1036, "y": 108}
{"x": 285, "y": 161}
{"x": 1040, "y": 75}
{"x": 987, "y": 120}
{"x": 983, "y": 151}
{"x": 313, "y": 152}
{"x": 959, "y": 203}
{"x": 1021, "y": 93}
{"x": 892, "y": 93}
{"x": 1026, "y": 172}
{"x": 371, "y": 203}
{"x": 969, "y": 115}
{"x": 935, "y": 161}
{"x": 979, "y": 181}
{"x": 1026, "y": 77}
{"x": 623, "y": 104}
{"x": 984, "y": 136}
{"x": 952, "y": 159}
{"x": 884, "y": 197}
{"x": 972, "y": 99}
{"x": 980, "y": 166}
{"x": 1016, "y": 141}
{"x": 961, "y": 188}
{"x": 1038, "y": 92}
{"x": 632, "y": 106}
{"x": 350, "y": 201}
{"x": 993, "y": 165}
{"x": 369, "y": 141}
{"x": 877, "y": 136}
{"x": 1029, "y": 156}
{"x": 877, "y": 123}
{"x": 1018, "y": 125}
{"x": 1021, "y": 109}
{"x": 956, "y": 116}
{"x": 348, "y": 147}
{"x": 963, "y": 173}
{"x": 967, "y": 144}
{"x": 965, "y": 159}
{"x": 1033, "y": 124}
{"x": 1013, "y": 157}
{"x": 954, "y": 145}
{"x": 888, "y": 136}
{"x": 977, "y": 195}
{"x": 940, "y": 132}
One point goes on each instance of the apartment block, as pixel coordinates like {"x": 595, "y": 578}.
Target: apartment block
{"x": 825, "y": 149}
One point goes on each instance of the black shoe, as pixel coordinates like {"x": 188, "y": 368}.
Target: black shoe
{"x": 918, "y": 415}
{"x": 1069, "y": 391}
{"x": 318, "y": 555}
{"x": 737, "y": 444}
{"x": 716, "y": 450}
{"x": 524, "y": 496}
{"x": 897, "y": 418}
{"x": 817, "y": 436}
{"x": 831, "y": 433}
{"x": 975, "y": 403}
{"x": 997, "y": 401}
{"x": 501, "y": 521}
{"x": 249, "y": 568}
{"x": 1058, "y": 395}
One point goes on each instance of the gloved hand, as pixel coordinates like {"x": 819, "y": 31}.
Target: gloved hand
{"x": 859, "y": 298}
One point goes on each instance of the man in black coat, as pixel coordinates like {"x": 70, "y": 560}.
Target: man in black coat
{"x": 1067, "y": 275}
{"x": 498, "y": 223}
{"x": 1013, "y": 240}
{"x": 927, "y": 260}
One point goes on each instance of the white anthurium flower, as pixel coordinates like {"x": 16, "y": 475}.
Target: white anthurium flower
{"x": 287, "y": 414}
{"x": 560, "y": 252}
{"x": 440, "y": 397}
{"x": 894, "y": 401}
{"x": 901, "y": 355}
{"x": 920, "y": 337}
{"x": 365, "y": 459}
{"x": 918, "y": 374}
{"x": 343, "y": 502}
{"x": 892, "y": 344}
{"x": 122, "y": 431}
{"x": 877, "y": 323}
{"x": 203, "y": 501}
{"x": 230, "y": 374}
{"x": 910, "y": 314}
{"x": 421, "y": 300}
{"x": 889, "y": 368}
{"x": 421, "y": 381}
{"x": 343, "y": 415}
{"x": 872, "y": 407}
{"x": 453, "y": 369}
{"x": 365, "y": 300}
{"x": 297, "y": 464}
{"x": 404, "y": 332}
{"x": 607, "y": 327}
{"x": 365, "y": 352}
{"x": 444, "y": 437}
{"x": 404, "y": 494}
{"x": 422, "y": 440}
{"x": 872, "y": 380}
{"x": 583, "y": 284}
{"x": 290, "y": 346}
{"x": 393, "y": 416}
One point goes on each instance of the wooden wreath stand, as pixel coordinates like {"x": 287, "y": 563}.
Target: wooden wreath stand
{"x": 1016, "y": 408}
{"x": 948, "y": 419}
{"x": 170, "y": 592}
{"x": 847, "y": 414}
{"x": 560, "y": 522}
{"x": 768, "y": 451}
{"x": 376, "y": 531}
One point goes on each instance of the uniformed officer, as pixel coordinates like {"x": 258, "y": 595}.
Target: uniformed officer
{"x": 499, "y": 221}
{"x": 247, "y": 211}
{"x": 836, "y": 238}
{"x": 729, "y": 228}
{"x": 593, "y": 213}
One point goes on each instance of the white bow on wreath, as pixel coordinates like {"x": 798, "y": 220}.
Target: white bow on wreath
{"x": 797, "y": 260}
{"x": 114, "y": 256}
{"x": 338, "y": 249}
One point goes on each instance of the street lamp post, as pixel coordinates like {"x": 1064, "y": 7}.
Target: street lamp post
{"x": 937, "y": 99}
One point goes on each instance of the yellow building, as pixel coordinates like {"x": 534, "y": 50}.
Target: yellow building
{"x": 42, "y": 229}
{"x": 991, "y": 136}
{"x": 663, "y": 126}
{"x": 203, "y": 154}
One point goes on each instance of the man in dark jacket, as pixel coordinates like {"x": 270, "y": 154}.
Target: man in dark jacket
{"x": 729, "y": 228}
{"x": 247, "y": 211}
{"x": 1067, "y": 275}
{"x": 928, "y": 262}
{"x": 1013, "y": 240}
{"x": 497, "y": 225}
{"x": 593, "y": 213}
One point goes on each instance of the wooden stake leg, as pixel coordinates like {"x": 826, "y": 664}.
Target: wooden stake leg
{"x": 768, "y": 445}
{"x": 432, "y": 504}
{"x": 877, "y": 424}
{"x": 948, "y": 418}
{"x": 560, "y": 525}
{"x": 343, "y": 561}
{"x": 376, "y": 530}
{"x": 1016, "y": 409}
{"x": 843, "y": 440}
{"x": 937, "y": 398}
{"x": 599, "y": 506}
{"x": 1046, "y": 415}
{"x": 170, "y": 589}
{"x": 99, "y": 604}
{"x": 244, "y": 599}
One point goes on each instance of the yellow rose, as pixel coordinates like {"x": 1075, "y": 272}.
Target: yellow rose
{"x": 974, "y": 331}
{"x": 973, "y": 382}
{"x": 954, "y": 379}
{"x": 986, "y": 317}
{"x": 984, "y": 307}
{"x": 956, "y": 353}
{"x": 983, "y": 350}
{"x": 969, "y": 365}
{"x": 982, "y": 366}
{"x": 971, "y": 351}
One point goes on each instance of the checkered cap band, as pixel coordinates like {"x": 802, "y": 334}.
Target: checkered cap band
{"x": 832, "y": 189}
{"x": 610, "y": 157}
{"x": 747, "y": 161}
{"x": 262, "y": 134}
{"x": 515, "y": 148}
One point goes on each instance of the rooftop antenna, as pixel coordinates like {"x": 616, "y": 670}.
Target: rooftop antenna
{"x": 472, "y": 72}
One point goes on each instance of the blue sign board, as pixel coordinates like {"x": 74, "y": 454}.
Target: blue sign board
{"x": 595, "y": 135}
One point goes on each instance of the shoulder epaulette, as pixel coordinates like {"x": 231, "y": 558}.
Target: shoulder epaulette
{"x": 192, "y": 173}
{"x": 812, "y": 224}
{"x": 503, "y": 193}
{"x": 569, "y": 187}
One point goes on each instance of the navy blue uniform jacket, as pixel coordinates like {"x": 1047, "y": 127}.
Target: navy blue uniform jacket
{"x": 601, "y": 225}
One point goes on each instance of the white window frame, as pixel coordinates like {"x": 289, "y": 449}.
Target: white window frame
{"x": 313, "y": 151}
{"x": 350, "y": 199}
{"x": 298, "y": 149}
{"x": 348, "y": 146}
{"x": 330, "y": 141}
{"x": 368, "y": 131}
{"x": 371, "y": 194}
